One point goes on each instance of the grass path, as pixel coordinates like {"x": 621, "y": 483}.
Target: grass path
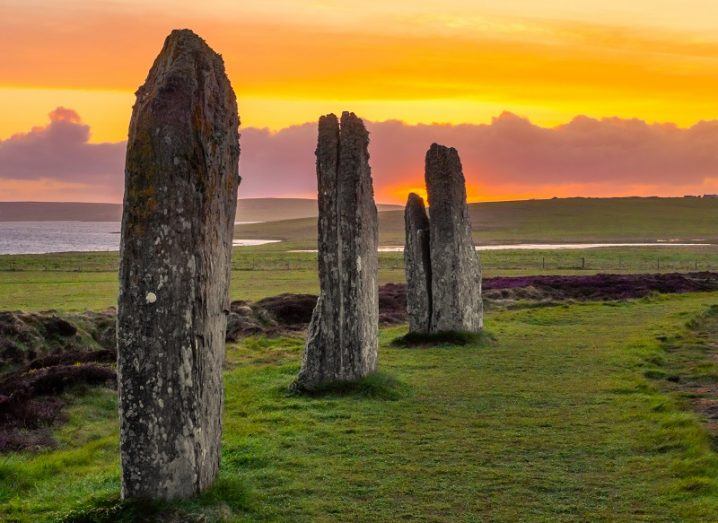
{"x": 554, "y": 421}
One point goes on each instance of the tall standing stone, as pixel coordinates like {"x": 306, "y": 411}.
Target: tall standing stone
{"x": 181, "y": 180}
{"x": 417, "y": 265}
{"x": 455, "y": 268}
{"x": 343, "y": 334}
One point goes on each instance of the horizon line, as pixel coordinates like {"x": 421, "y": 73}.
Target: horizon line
{"x": 628, "y": 197}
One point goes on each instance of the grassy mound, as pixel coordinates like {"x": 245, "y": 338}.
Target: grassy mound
{"x": 417, "y": 339}
{"x": 225, "y": 498}
{"x": 29, "y": 402}
{"x": 378, "y": 385}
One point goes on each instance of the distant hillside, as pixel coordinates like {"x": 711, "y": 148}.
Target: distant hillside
{"x": 59, "y": 212}
{"x": 273, "y": 209}
{"x": 248, "y": 210}
{"x": 557, "y": 220}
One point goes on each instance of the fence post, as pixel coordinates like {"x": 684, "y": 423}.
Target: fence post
{"x": 583, "y": 262}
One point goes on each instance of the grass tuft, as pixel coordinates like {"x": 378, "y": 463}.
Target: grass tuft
{"x": 226, "y": 497}
{"x": 417, "y": 339}
{"x": 113, "y": 509}
{"x": 378, "y": 385}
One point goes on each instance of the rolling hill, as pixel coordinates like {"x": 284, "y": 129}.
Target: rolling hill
{"x": 272, "y": 209}
{"x": 559, "y": 220}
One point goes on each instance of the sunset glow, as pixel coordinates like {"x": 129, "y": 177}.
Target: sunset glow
{"x": 454, "y": 61}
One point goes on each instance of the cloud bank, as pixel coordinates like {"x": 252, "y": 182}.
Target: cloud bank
{"x": 510, "y": 157}
{"x": 507, "y": 158}
{"x": 57, "y": 161}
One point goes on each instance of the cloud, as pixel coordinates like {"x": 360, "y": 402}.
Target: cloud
{"x": 278, "y": 164}
{"x": 508, "y": 158}
{"x": 61, "y": 152}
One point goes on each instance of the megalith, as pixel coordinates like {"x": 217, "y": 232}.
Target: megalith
{"x": 417, "y": 265}
{"x": 342, "y": 340}
{"x": 455, "y": 269}
{"x": 181, "y": 179}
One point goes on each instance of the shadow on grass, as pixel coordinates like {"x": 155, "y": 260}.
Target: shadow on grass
{"x": 378, "y": 385}
{"x": 226, "y": 498}
{"x": 417, "y": 339}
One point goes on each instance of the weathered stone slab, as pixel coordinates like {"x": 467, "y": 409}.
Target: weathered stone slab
{"x": 417, "y": 265}
{"x": 455, "y": 267}
{"x": 343, "y": 335}
{"x": 181, "y": 179}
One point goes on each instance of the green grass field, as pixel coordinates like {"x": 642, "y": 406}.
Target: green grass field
{"x": 81, "y": 281}
{"x": 556, "y": 420}
{"x": 573, "y": 412}
{"x": 564, "y": 220}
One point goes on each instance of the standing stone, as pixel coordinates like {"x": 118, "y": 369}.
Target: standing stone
{"x": 417, "y": 265}
{"x": 181, "y": 179}
{"x": 343, "y": 334}
{"x": 455, "y": 268}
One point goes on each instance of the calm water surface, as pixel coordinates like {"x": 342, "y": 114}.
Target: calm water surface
{"x": 44, "y": 237}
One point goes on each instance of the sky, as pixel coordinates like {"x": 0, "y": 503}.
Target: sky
{"x": 541, "y": 97}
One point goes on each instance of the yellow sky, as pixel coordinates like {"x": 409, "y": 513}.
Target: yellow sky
{"x": 418, "y": 61}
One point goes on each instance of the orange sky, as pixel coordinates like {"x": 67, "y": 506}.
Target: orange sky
{"x": 418, "y": 61}
{"x": 457, "y": 61}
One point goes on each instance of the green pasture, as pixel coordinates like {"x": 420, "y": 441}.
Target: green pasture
{"x": 80, "y": 281}
{"x": 562, "y": 417}
{"x": 564, "y": 220}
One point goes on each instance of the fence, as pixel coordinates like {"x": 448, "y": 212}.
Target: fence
{"x": 590, "y": 260}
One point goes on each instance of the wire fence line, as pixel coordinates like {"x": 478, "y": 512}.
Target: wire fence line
{"x": 661, "y": 264}
{"x": 593, "y": 261}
